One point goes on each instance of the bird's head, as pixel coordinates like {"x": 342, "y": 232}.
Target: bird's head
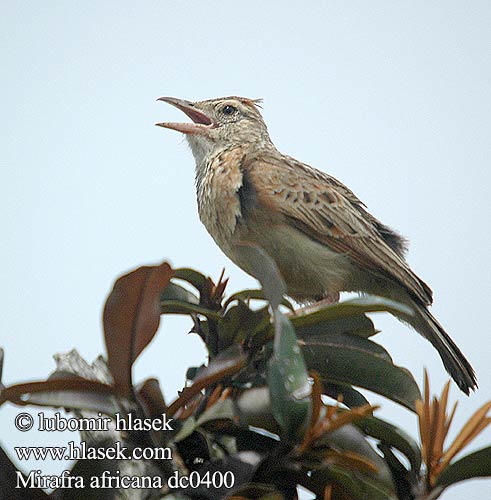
{"x": 219, "y": 123}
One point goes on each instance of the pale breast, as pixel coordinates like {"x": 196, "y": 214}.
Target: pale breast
{"x": 218, "y": 182}
{"x": 309, "y": 268}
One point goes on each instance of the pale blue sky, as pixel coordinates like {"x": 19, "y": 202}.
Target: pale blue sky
{"x": 390, "y": 97}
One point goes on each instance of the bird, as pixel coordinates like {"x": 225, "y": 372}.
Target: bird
{"x": 319, "y": 233}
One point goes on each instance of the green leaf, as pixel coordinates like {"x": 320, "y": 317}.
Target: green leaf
{"x": 392, "y": 436}
{"x": 192, "y": 371}
{"x": 477, "y": 464}
{"x": 351, "y": 397}
{"x": 405, "y": 481}
{"x": 254, "y": 406}
{"x": 188, "y": 427}
{"x": 356, "y": 486}
{"x": 347, "y": 359}
{"x": 264, "y": 269}
{"x": 346, "y": 340}
{"x": 177, "y": 292}
{"x": 179, "y": 307}
{"x": 288, "y": 380}
{"x": 361, "y": 326}
{"x": 350, "y": 438}
{"x": 193, "y": 277}
{"x": 240, "y": 322}
{"x": 249, "y": 294}
{"x": 348, "y": 308}
{"x": 354, "y": 325}
{"x": 221, "y": 410}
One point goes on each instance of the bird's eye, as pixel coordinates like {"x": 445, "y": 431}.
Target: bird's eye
{"x": 229, "y": 110}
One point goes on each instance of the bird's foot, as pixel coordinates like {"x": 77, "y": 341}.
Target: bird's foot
{"x": 328, "y": 298}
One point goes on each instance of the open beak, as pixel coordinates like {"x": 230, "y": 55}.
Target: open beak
{"x": 201, "y": 122}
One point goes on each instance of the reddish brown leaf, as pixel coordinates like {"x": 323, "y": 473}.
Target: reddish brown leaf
{"x": 328, "y": 492}
{"x": 214, "y": 396}
{"x": 131, "y": 318}
{"x": 2, "y": 354}
{"x": 190, "y": 392}
{"x": 477, "y": 423}
{"x": 15, "y": 393}
{"x": 152, "y": 398}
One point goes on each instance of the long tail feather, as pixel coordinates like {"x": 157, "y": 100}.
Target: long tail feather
{"x": 454, "y": 361}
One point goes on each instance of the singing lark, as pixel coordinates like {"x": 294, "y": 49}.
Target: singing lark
{"x": 321, "y": 236}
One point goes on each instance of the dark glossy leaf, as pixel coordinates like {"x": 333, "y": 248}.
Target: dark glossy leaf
{"x": 354, "y": 307}
{"x": 248, "y": 439}
{"x": 356, "y": 486}
{"x": 265, "y": 270}
{"x": 256, "y": 491}
{"x": 405, "y": 481}
{"x": 219, "y": 416}
{"x": 288, "y": 380}
{"x": 392, "y": 436}
{"x": 350, "y": 438}
{"x": 131, "y": 318}
{"x": 192, "y": 371}
{"x": 254, "y": 406}
{"x": 242, "y": 465}
{"x": 350, "y": 397}
{"x": 347, "y": 359}
{"x": 477, "y": 464}
{"x": 240, "y": 323}
{"x": 221, "y": 410}
{"x": 198, "y": 280}
{"x": 353, "y": 342}
{"x": 8, "y": 482}
{"x": 177, "y": 292}
{"x": 249, "y": 294}
{"x": 176, "y": 496}
{"x": 195, "y": 449}
{"x": 187, "y": 428}
{"x": 180, "y": 307}
{"x": 361, "y": 326}
{"x": 74, "y": 393}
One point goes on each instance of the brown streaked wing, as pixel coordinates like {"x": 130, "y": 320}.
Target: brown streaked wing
{"x": 328, "y": 212}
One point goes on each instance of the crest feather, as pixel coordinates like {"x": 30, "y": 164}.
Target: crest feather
{"x": 254, "y": 104}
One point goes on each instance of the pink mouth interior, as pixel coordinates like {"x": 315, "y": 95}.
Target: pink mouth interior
{"x": 197, "y": 116}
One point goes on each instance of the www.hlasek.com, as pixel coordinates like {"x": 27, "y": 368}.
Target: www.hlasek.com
{"x": 84, "y": 452}
{"x": 117, "y": 451}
